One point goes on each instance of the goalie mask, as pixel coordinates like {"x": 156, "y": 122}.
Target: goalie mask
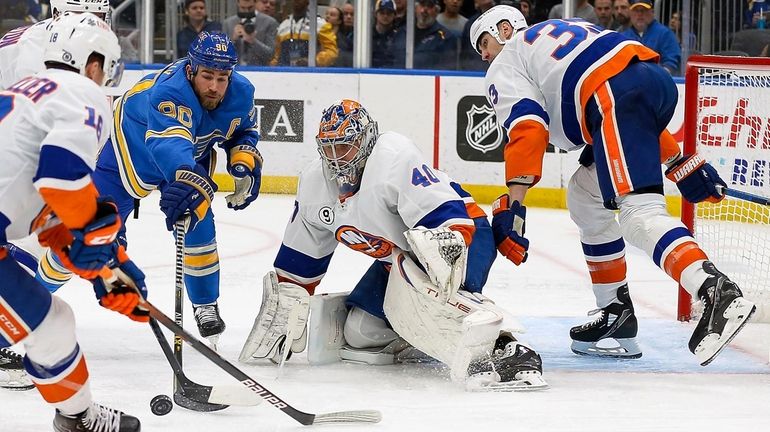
{"x": 346, "y": 137}
{"x": 488, "y": 21}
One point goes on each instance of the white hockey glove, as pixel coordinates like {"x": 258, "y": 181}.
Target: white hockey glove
{"x": 273, "y": 324}
{"x": 443, "y": 254}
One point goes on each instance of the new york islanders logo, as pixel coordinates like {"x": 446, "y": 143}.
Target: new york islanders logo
{"x": 375, "y": 247}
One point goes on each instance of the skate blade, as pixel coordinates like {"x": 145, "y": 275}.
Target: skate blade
{"x": 626, "y": 349}
{"x": 525, "y": 381}
{"x": 15, "y": 380}
{"x": 213, "y": 341}
{"x": 738, "y": 314}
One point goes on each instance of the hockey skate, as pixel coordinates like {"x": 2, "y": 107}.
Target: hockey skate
{"x": 512, "y": 366}
{"x": 725, "y": 312}
{"x": 12, "y": 373}
{"x": 210, "y": 324}
{"x": 617, "y": 323}
{"x": 96, "y": 418}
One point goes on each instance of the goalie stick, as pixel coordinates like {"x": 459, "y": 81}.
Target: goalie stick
{"x": 307, "y": 419}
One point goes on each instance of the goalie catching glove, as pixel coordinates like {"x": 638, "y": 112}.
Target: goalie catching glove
{"x": 273, "y": 326}
{"x": 696, "y": 179}
{"x": 245, "y": 165}
{"x": 443, "y": 254}
{"x": 508, "y": 229}
{"x": 191, "y": 192}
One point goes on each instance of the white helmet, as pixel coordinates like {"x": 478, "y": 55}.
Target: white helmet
{"x": 93, "y": 6}
{"x": 488, "y": 21}
{"x": 74, "y": 37}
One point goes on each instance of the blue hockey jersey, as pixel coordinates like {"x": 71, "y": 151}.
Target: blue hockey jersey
{"x": 160, "y": 126}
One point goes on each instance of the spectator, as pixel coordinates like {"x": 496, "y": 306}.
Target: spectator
{"x": 435, "y": 47}
{"x": 451, "y": 17}
{"x": 582, "y": 10}
{"x": 197, "y": 21}
{"x": 294, "y": 36}
{"x": 253, "y": 34}
{"x": 269, "y": 8}
{"x": 756, "y": 14}
{"x": 345, "y": 37}
{"x": 603, "y": 9}
{"x": 384, "y": 35}
{"x": 647, "y": 30}
{"x": 333, "y": 16}
{"x": 621, "y": 15}
{"x": 525, "y": 6}
{"x": 675, "y": 24}
{"x": 469, "y": 59}
{"x": 400, "y": 20}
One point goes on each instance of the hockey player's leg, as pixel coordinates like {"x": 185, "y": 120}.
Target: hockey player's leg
{"x": 46, "y": 326}
{"x": 462, "y": 333}
{"x": 647, "y": 225}
{"x": 604, "y": 251}
{"x": 201, "y": 268}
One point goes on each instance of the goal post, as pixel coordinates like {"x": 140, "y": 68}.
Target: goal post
{"x": 727, "y": 122}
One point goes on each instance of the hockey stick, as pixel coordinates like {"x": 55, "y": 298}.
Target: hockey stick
{"x": 198, "y": 397}
{"x": 744, "y": 196}
{"x": 307, "y": 419}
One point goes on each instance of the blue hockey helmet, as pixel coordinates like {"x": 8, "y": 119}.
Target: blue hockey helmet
{"x": 212, "y": 50}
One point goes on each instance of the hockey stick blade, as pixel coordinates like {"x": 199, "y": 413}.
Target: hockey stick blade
{"x": 307, "y": 419}
{"x": 198, "y": 397}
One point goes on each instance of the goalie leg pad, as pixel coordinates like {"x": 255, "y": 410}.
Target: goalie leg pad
{"x": 326, "y": 329}
{"x": 268, "y": 336}
{"x": 454, "y": 332}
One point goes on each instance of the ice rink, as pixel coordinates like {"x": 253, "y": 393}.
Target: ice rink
{"x": 664, "y": 390}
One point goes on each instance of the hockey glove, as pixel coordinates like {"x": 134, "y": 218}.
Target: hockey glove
{"x": 93, "y": 246}
{"x": 191, "y": 192}
{"x": 246, "y": 168}
{"x": 696, "y": 179}
{"x": 508, "y": 229}
{"x": 120, "y": 287}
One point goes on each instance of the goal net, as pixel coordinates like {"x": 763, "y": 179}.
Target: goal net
{"x": 727, "y": 121}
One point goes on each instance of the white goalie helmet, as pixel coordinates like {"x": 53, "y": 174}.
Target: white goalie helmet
{"x": 488, "y": 21}
{"x": 73, "y": 37}
{"x": 93, "y": 6}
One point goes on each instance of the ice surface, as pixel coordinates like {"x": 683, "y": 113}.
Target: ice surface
{"x": 664, "y": 390}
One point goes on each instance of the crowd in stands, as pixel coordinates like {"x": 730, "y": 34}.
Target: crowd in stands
{"x": 277, "y": 32}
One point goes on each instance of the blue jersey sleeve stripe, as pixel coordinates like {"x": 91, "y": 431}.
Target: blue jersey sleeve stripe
{"x": 525, "y": 107}
{"x": 296, "y": 262}
{"x": 665, "y": 241}
{"x": 444, "y": 212}
{"x": 61, "y": 164}
{"x": 460, "y": 191}
{"x": 604, "y": 249}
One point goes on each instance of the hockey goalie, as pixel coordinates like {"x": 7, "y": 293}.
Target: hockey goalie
{"x": 421, "y": 298}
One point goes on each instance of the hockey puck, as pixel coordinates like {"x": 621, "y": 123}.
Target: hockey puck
{"x": 161, "y": 405}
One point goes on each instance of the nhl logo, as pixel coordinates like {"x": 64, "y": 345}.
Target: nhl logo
{"x": 482, "y": 132}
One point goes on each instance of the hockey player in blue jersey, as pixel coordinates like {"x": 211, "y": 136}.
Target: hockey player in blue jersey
{"x": 165, "y": 128}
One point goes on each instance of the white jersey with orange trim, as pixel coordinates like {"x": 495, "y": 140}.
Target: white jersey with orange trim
{"x": 52, "y": 125}
{"x": 21, "y": 52}
{"x": 398, "y": 191}
{"x": 540, "y": 81}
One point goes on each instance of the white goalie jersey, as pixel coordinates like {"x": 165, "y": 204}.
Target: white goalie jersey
{"x": 21, "y": 52}
{"x": 52, "y": 125}
{"x": 399, "y": 191}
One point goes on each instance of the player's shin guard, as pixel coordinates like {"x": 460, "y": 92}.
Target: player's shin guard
{"x": 55, "y": 363}
{"x": 51, "y": 273}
